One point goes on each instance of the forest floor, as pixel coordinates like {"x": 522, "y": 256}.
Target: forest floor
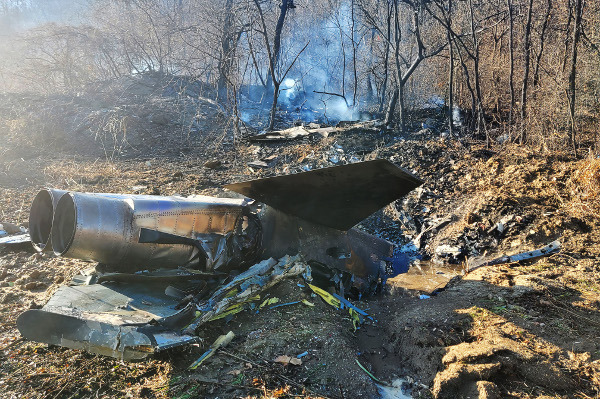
{"x": 514, "y": 330}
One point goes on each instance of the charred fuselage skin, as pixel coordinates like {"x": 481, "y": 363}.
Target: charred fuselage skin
{"x": 228, "y": 233}
{"x": 358, "y": 256}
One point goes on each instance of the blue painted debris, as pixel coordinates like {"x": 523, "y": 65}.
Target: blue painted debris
{"x": 350, "y": 305}
{"x": 403, "y": 258}
{"x": 284, "y": 304}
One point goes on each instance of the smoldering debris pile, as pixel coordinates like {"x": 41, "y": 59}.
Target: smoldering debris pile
{"x": 194, "y": 247}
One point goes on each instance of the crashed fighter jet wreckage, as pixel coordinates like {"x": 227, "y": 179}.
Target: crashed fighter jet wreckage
{"x": 167, "y": 265}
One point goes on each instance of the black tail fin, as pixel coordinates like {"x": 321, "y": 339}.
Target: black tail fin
{"x": 337, "y": 197}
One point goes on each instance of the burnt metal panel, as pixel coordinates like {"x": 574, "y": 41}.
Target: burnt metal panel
{"x": 337, "y": 197}
{"x": 354, "y": 252}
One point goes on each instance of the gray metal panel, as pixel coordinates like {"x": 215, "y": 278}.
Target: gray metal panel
{"x": 72, "y": 332}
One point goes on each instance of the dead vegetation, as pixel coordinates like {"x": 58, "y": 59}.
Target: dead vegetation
{"x": 586, "y": 187}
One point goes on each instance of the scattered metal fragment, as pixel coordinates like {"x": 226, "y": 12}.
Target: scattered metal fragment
{"x": 7, "y": 228}
{"x": 15, "y": 242}
{"x": 127, "y": 321}
{"x": 285, "y": 304}
{"x": 264, "y": 163}
{"x": 448, "y": 250}
{"x": 268, "y": 302}
{"x": 222, "y": 341}
{"x": 357, "y": 315}
{"x": 547, "y": 250}
{"x": 245, "y": 287}
{"x": 293, "y": 133}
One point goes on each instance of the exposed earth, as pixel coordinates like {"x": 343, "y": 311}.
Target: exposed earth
{"x": 513, "y": 330}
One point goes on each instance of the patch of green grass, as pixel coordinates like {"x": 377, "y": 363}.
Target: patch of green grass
{"x": 499, "y": 310}
{"x": 189, "y": 394}
{"x": 239, "y": 380}
{"x": 562, "y": 326}
{"x": 478, "y": 313}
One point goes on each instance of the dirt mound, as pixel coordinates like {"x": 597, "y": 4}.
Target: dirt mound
{"x": 148, "y": 115}
{"x": 502, "y": 351}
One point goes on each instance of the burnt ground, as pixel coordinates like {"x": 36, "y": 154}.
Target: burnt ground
{"x": 518, "y": 330}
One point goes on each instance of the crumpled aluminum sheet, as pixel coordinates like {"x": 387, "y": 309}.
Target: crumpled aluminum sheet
{"x": 126, "y": 321}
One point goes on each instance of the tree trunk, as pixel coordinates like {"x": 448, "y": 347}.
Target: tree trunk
{"x": 389, "y": 115}
{"x": 573, "y": 73}
{"x": 274, "y": 54}
{"x": 274, "y": 105}
{"x": 538, "y": 61}
{"x": 401, "y": 109}
{"x": 450, "y": 71}
{"x": 527, "y": 50}
{"x": 567, "y": 31}
{"x": 283, "y": 9}
{"x": 386, "y": 57}
{"x": 397, "y": 37}
{"x": 480, "y": 114}
{"x": 225, "y": 58}
{"x": 469, "y": 87}
{"x": 354, "y": 70}
{"x": 512, "y": 63}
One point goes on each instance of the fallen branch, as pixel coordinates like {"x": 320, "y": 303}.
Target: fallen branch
{"x": 333, "y": 94}
{"x": 284, "y": 378}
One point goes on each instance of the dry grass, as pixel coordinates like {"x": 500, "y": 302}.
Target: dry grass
{"x": 586, "y": 190}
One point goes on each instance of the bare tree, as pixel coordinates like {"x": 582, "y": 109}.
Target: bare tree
{"x": 229, "y": 40}
{"x": 573, "y": 73}
{"x": 450, "y": 70}
{"x": 404, "y": 68}
{"x": 526, "y": 67}
{"x": 476, "y": 75}
{"x": 511, "y": 52}
{"x": 273, "y": 53}
{"x": 538, "y": 61}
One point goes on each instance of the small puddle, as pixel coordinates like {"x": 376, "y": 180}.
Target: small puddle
{"x": 425, "y": 277}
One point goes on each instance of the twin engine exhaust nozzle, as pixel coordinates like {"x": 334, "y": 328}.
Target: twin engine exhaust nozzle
{"x": 135, "y": 230}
